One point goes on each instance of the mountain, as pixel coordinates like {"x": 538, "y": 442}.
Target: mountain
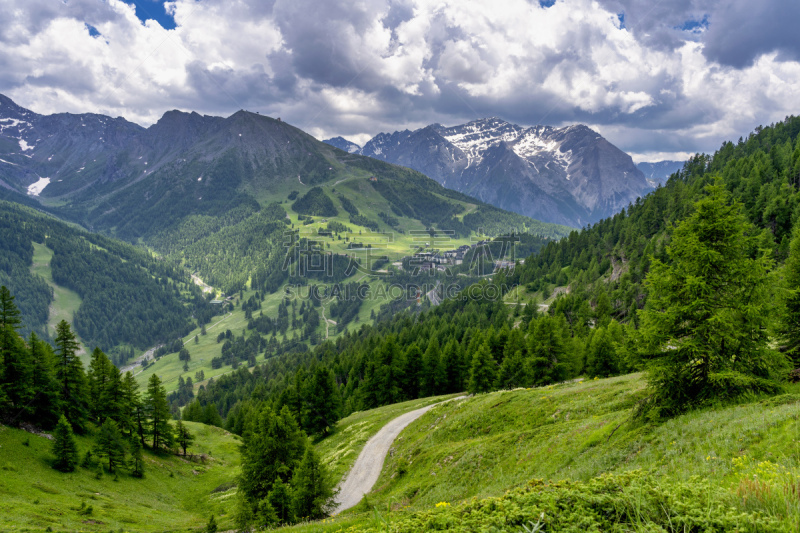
{"x": 568, "y": 175}
{"x": 136, "y": 183}
{"x": 658, "y": 173}
{"x": 343, "y": 144}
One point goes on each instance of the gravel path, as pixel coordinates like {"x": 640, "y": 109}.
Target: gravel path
{"x": 364, "y": 474}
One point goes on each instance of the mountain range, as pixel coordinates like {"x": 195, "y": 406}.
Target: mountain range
{"x": 658, "y": 173}
{"x": 569, "y": 175}
{"x": 131, "y": 182}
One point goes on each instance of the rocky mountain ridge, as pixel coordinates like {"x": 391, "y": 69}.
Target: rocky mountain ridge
{"x": 569, "y": 175}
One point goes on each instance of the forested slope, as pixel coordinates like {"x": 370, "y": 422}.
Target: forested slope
{"x": 478, "y": 343}
{"x": 128, "y": 296}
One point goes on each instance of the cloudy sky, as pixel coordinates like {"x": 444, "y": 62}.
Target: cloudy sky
{"x": 661, "y": 79}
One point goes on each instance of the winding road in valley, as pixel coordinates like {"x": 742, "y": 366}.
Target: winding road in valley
{"x": 367, "y": 468}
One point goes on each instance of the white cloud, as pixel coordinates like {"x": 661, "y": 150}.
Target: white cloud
{"x": 356, "y": 68}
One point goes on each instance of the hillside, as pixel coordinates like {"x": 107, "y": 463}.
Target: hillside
{"x": 569, "y": 175}
{"x": 56, "y": 270}
{"x": 191, "y": 175}
{"x": 514, "y": 448}
{"x": 174, "y": 494}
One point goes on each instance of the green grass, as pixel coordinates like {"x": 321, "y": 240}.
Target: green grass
{"x": 174, "y": 494}
{"x": 340, "y": 449}
{"x": 485, "y": 445}
{"x": 490, "y": 443}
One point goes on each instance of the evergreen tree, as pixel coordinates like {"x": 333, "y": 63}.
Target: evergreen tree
{"x": 451, "y": 362}
{"x": 601, "y": 357}
{"x": 98, "y": 378}
{"x": 64, "y": 446}
{"x": 483, "y": 370}
{"x": 137, "y": 461}
{"x": 9, "y": 313}
{"x": 183, "y": 437}
{"x": 512, "y": 372}
{"x": 132, "y": 418}
{"x": 279, "y": 508}
{"x": 17, "y": 373}
{"x": 46, "y": 405}
{"x": 158, "y": 413}
{"x": 111, "y": 445}
{"x": 433, "y": 375}
{"x": 70, "y": 375}
{"x": 411, "y": 372}
{"x": 548, "y": 350}
{"x": 312, "y": 491}
{"x": 272, "y": 446}
{"x": 705, "y": 327}
{"x": 790, "y": 318}
{"x": 322, "y": 402}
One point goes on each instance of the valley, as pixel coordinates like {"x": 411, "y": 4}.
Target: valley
{"x": 271, "y": 303}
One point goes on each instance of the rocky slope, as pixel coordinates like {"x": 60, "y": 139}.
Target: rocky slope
{"x": 657, "y": 173}
{"x": 568, "y": 175}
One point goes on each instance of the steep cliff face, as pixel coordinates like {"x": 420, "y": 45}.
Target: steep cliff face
{"x": 568, "y": 175}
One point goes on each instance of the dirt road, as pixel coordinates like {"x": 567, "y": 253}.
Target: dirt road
{"x": 364, "y": 474}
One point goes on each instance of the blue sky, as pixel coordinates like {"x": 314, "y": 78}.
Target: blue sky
{"x": 659, "y": 79}
{"x": 153, "y": 10}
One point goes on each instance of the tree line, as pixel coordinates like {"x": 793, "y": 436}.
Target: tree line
{"x": 48, "y": 386}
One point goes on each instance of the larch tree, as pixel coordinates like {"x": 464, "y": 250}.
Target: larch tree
{"x": 705, "y": 327}
{"x": 64, "y": 446}
{"x": 483, "y": 371}
{"x": 157, "y": 409}
{"x": 183, "y": 437}
{"x": 70, "y": 375}
{"x": 790, "y": 322}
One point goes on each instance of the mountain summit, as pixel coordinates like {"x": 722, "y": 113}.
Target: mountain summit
{"x": 569, "y": 175}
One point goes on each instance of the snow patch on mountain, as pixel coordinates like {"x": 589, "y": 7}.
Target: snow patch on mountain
{"x": 474, "y": 138}
{"x": 35, "y": 189}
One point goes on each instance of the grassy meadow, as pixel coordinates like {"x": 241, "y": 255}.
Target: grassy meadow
{"x": 480, "y": 448}
{"x": 174, "y": 495}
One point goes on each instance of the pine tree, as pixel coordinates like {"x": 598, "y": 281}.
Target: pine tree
{"x": 137, "y": 461}
{"x": 272, "y": 446}
{"x": 183, "y": 437}
{"x": 312, "y": 491}
{"x": 279, "y": 508}
{"x": 321, "y": 410}
{"x": 601, "y": 357}
{"x": 790, "y": 319}
{"x": 411, "y": 371}
{"x": 111, "y": 445}
{"x": 706, "y": 323}
{"x": 131, "y": 416}
{"x": 17, "y": 373}
{"x": 483, "y": 370}
{"x": 64, "y": 446}
{"x": 46, "y": 405}
{"x": 433, "y": 374}
{"x": 70, "y": 375}
{"x": 548, "y": 350}
{"x": 512, "y": 372}
{"x": 451, "y": 363}
{"x": 98, "y": 378}
{"x": 158, "y": 413}
{"x": 9, "y": 313}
